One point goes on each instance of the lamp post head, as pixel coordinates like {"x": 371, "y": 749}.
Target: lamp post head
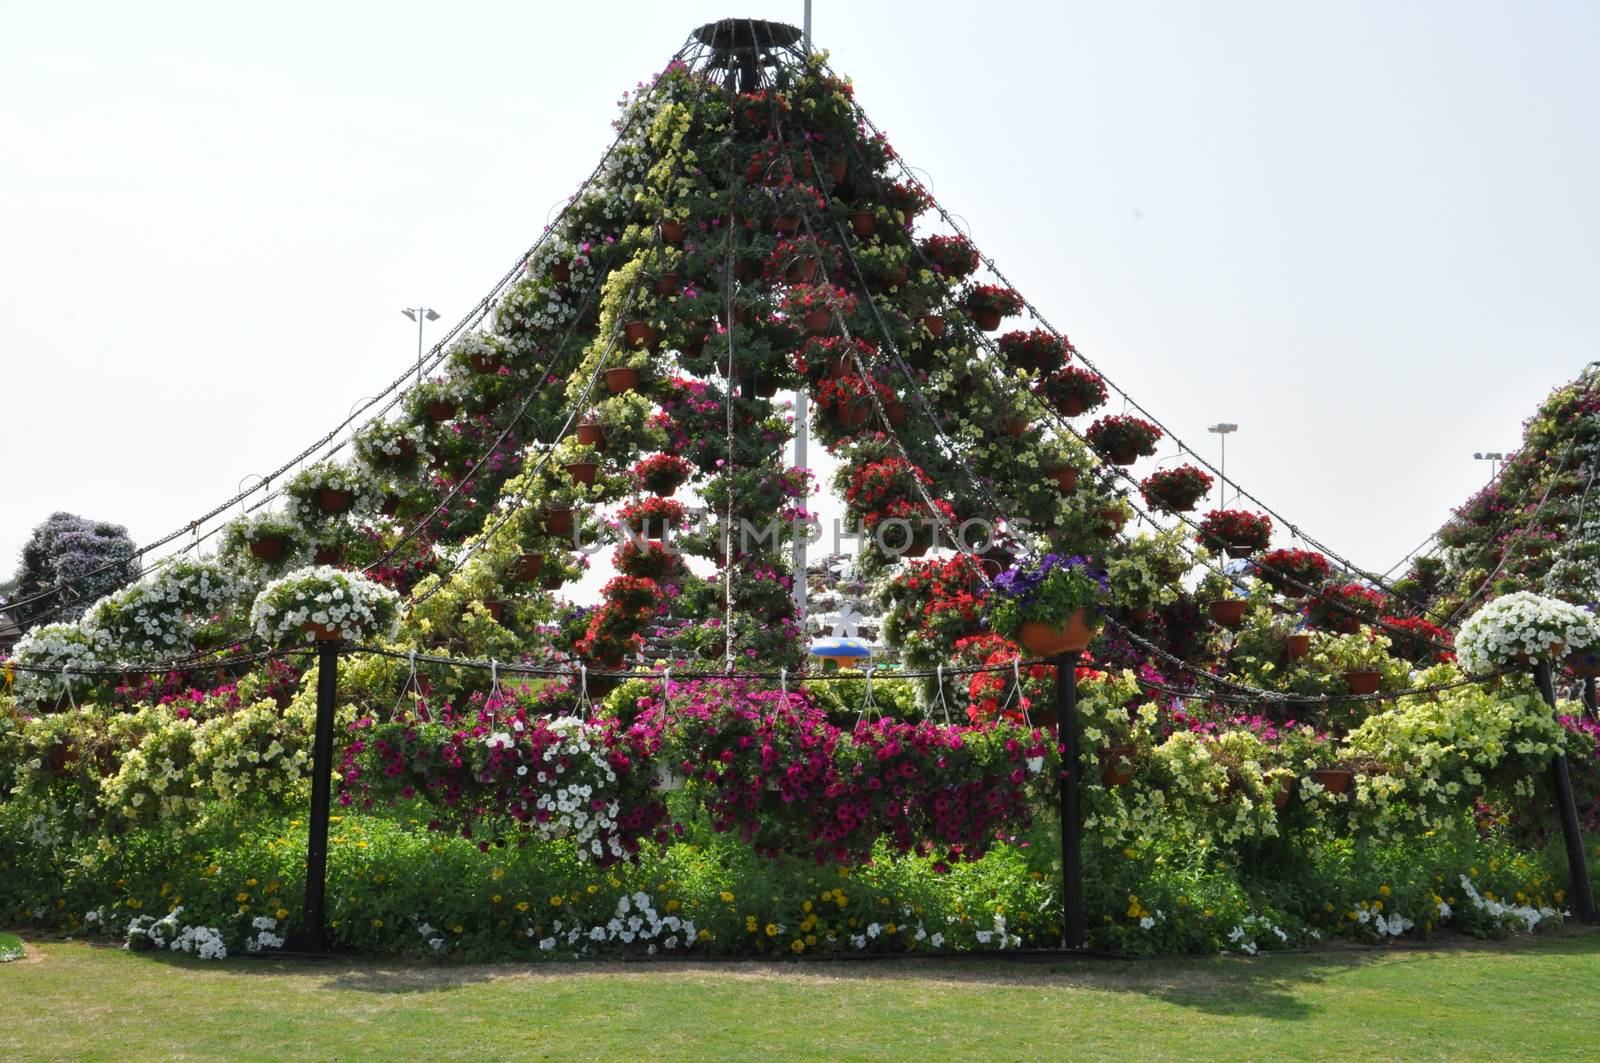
{"x": 408, "y": 312}
{"x": 432, "y": 315}
{"x": 1222, "y": 428}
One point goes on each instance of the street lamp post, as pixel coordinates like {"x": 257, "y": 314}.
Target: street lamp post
{"x": 1222, "y": 428}
{"x": 420, "y": 314}
{"x": 1496, "y": 460}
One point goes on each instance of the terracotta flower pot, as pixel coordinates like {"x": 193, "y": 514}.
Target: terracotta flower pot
{"x": 1066, "y": 478}
{"x": 621, "y": 379}
{"x": 438, "y": 411}
{"x": 1363, "y": 682}
{"x": 639, "y": 334}
{"x": 1016, "y": 429}
{"x": 327, "y": 555}
{"x": 1334, "y": 780}
{"x": 1228, "y": 612}
{"x": 591, "y": 435}
{"x": 321, "y": 632}
{"x": 673, "y": 231}
{"x": 1111, "y": 522}
{"x": 267, "y": 548}
{"x": 552, "y": 581}
{"x": 558, "y": 522}
{"x": 895, "y": 410}
{"x": 332, "y": 501}
{"x": 1046, "y": 717}
{"x": 1124, "y": 456}
{"x": 483, "y": 365}
{"x": 917, "y": 547}
{"x": 1069, "y": 405}
{"x": 854, "y": 414}
{"x": 987, "y": 318}
{"x": 527, "y": 567}
{"x": 668, "y": 284}
{"x": 863, "y": 223}
{"x": 561, "y": 272}
{"x": 694, "y": 343}
{"x": 1046, "y": 640}
{"x": 765, "y": 387}
{"x": 1299, "y": 646}
{"x": 786, "y": 223}
{"x": 934, "y": 323}
{"x": 1238, "y": 550}
{"x": 898, "y": 278}
{"x": 391, "y": 505}
{"x": 836, "y": 169}
{"x": 817, "y": 321}
{"x": 1285, "y": 787}
{"x": 1116, "y": 765}
{"x": 582, "y": 471}
{"x": 496, "y": 609}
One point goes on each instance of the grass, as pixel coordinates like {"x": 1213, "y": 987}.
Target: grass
{"x": 1524, "y": 999}
{"x": 10, "y": 948}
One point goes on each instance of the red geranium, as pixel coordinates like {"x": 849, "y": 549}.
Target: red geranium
{"x": 1073, "y": 390}
{"x": 1343, "y": 607}
{"x": 950, "y": 256}
{"x": 661, "y": 473}
{"x": 1417, "y": 640}
{"x": 1120, "y": 437}
{"x": 1293, "y": 572}
{"x": 1007, "y": 301}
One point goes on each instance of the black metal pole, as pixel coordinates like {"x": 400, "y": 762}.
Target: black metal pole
{"x": 1567, "y": 809}
{"x": 1588, "y": 700}
{"x": 1071, "y": 813}
{"x": 312, "y": 935}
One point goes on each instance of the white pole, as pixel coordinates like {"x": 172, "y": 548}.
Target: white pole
{"x": 421, "y": 317}
{"x": 801, "y": 414}
{"x": 807, "y": 29}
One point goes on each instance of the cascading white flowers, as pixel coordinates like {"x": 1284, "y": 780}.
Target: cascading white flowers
{"x": 347, "y": 602}
{"x": 1523, "y": 625}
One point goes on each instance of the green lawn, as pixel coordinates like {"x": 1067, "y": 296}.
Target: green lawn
{"x": 1526, "y": 999}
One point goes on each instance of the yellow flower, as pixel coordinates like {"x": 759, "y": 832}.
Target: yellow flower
{"x": 555, "y": 901}
{"x": 498, "y": 873}
{"x": 1384, "y": 890}
{"x": 1129, "y": 853}
{"x": 703, "y": 934}
{"x": 772, "y": 930}
{"x": 495, "y": 899}
{"x": 811, "y": 939}
{"x": 797, "y": 946}
{"x": 134, "y": 902}
{"x": 241, "y": 898}
{"x": 593, "y": 888}
{"x": 282, "y": 913}
{"x": 726, "y": 897}
{"x": 522, "y": 906}
{"x": 457, "y": 928}
{"x": 805, "y": 906}
{"x": 377, "y": 922}
{"x": 673, "y": 906}
{"x": 249, "y": 882}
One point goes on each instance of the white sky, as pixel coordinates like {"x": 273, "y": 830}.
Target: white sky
{"x": 1364, "y": 231}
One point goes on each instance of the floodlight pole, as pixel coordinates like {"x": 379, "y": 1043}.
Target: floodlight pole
{"x": 1071, "y": 792}
{"x": 1567, "y": 809}
{"x": 806, "y": 28}
{"x": 1589, "y": 701}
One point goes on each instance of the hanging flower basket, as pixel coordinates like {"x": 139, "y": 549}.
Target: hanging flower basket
{"x": 1038, "y": 350}
{"x": 836, "y": 169}
{"x": 582, "y": 472}
{"x": 766, "y": 387}
{"x": 495, "y": 608}
{"x": 673, "y": 231}
{"x": 391, "y": 505}
{"x": 1280, "y": 796}
{"x": 668, "y": 284}
{"x": 1066, "y": 478}
{"x": 1073, "y": 391}
{"x": 1523, "y": 627}
{"x": 1229, "y": 612}
{"x": 327, "y": 555}
{"x": 558, "y": 522}
{"x": 989, "y": 304}
{"x": 1112, "y": 521}
{"x": 803, "y": 270}
{"x": 662, "y": 474}
{"x": 952, "y": 257}
{"x": 1175, "y": 490}
{"x": 1299, "y": 645}
{"x": 1334, "y": 780}
{"x": 1123, "y": 440}
{"x": 817, "y": 321}
{"x": 1363, "y": 682}
{"x": 787, "y": 224}
{"x": 591, "y": 434}
{"x": 621, "y": 378}
{"x": 553, "y": 580}
{"x": 1292, "y": 573}
{"x": 653, "y": 516}
{"x": 484, "y": 365}
{"x": 895, "y": 411}
{"x": 438, "y": 411}
{"x": 560, "y": 272}
{"x": 1116, "y": 765}
{"x": 527, "y": 567}
{"x": 323, "y": 604}
{"x": 853, "y": 414}
{"x": 1237, "y": 531}
{"x": 863, "y": 223}
{"x": 1016, "y": 427}
{"x": 321, "y": 632}
{"x": 268, "y": 547}
{"x": 1343, "y": 607}
{"x": 934, "y": 323}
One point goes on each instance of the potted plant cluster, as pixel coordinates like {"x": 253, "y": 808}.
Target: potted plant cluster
{"x": 1122, "y": 439}
{"x": 1292, "y": 572}
{"x": 266, "y": 536}
{"x": 1050, "y": 606}
{"x": 1175, "y": 490}
{"x": 327, "y": 490}
{"x": 1037, "y": 350}
{"x": 952, "y": 257}
{"x": 1518, "y": 629}
{"x": 1344, "y": 607}
{"x": 652, "y": 516}
{"x": 816, "y": 306}
{"x": 1222, "y": 599}
{"x": 323, "y": 604}
{"x": 1237, "y": 531}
